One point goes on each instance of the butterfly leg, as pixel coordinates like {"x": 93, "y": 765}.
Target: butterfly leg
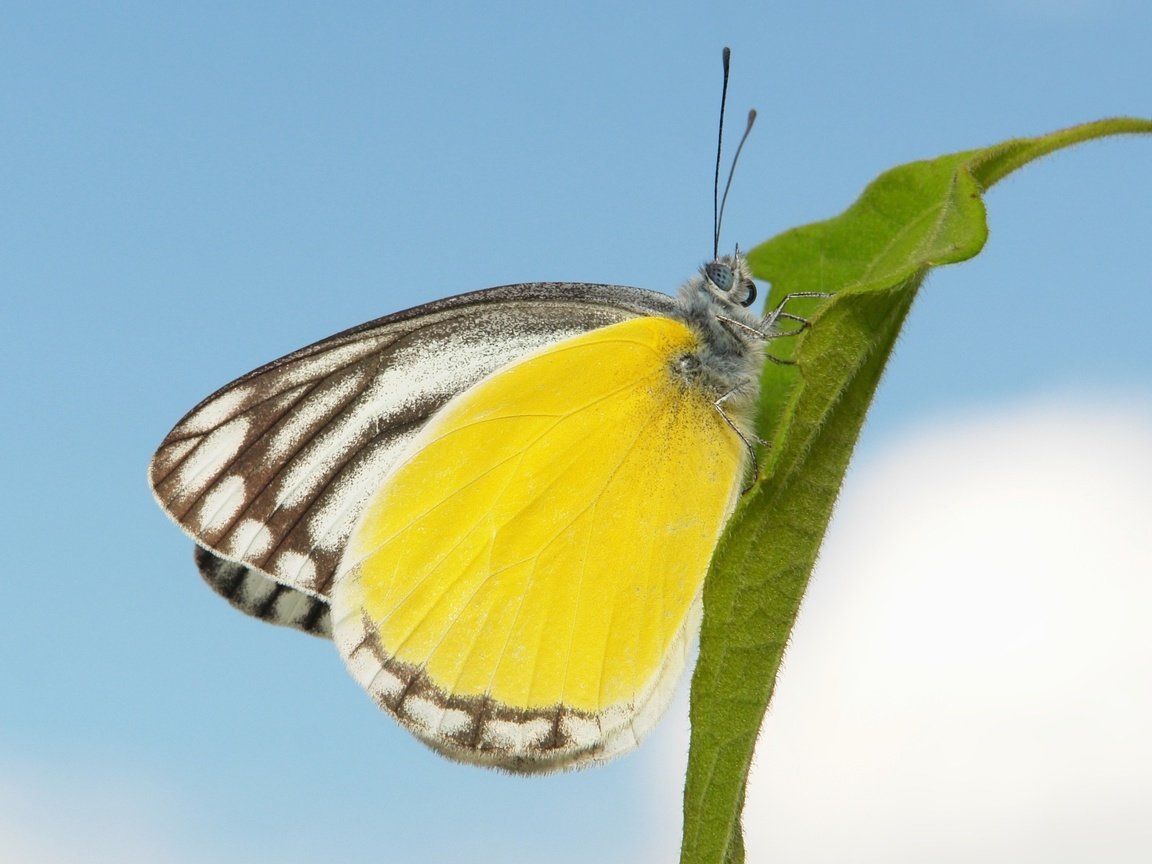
{"x": 749, "y": 443}
{"x": 768, "y": 330}
{"x": 778, "y": 313}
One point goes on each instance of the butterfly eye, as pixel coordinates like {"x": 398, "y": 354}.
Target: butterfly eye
{"x": 719, "y": 275}
{"x": 750, "y": 287}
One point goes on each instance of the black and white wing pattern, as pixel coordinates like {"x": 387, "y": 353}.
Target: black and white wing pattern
{"x": 269, "y": 474}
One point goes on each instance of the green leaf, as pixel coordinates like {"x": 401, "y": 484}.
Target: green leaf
{"x": 873, "y": 258}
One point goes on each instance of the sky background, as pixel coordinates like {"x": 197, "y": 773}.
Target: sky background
{"x": 190, "y": 190}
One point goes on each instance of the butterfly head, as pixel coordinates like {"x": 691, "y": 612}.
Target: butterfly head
{"x": 715, "y": 303}
{"x": 729, "y": 279}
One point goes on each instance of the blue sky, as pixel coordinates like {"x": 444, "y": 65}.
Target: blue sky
{"x": 191, "y": 190}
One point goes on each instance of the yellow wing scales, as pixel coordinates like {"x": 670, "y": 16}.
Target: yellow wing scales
{"x": 536, "y": 556}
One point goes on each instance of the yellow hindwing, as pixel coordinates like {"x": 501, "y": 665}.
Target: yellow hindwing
{"x": 546, "y": 537}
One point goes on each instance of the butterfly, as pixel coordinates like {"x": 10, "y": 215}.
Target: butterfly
{"x": 500, "y": 506}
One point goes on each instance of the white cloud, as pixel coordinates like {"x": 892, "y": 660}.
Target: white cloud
{"x": 971, "y": 677}
{"x": 63, "y": 813}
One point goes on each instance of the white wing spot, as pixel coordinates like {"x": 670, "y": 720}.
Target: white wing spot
{"x": 222, "y": 504}
{"x": 455, "y": 721}
{"x": 215, "y": 412}
{"x": 423, "y": 712}
{"x": 250, "y": 539}
{"x": 513, "y": 737}
{"x": 581, "y": 731}
{"x": 294, "y": 568}
{"x": 363, "y": 665}
{"x": 213, "y": 452}
{"x": 385, "y": 684}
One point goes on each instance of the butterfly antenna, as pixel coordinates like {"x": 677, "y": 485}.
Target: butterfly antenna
{"x": 732, "y": 170}
{"x": 719, "y": 150}
{"x": 717, "y": 201}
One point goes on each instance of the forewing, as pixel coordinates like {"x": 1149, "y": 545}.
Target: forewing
{"x": 269, "y": 474}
